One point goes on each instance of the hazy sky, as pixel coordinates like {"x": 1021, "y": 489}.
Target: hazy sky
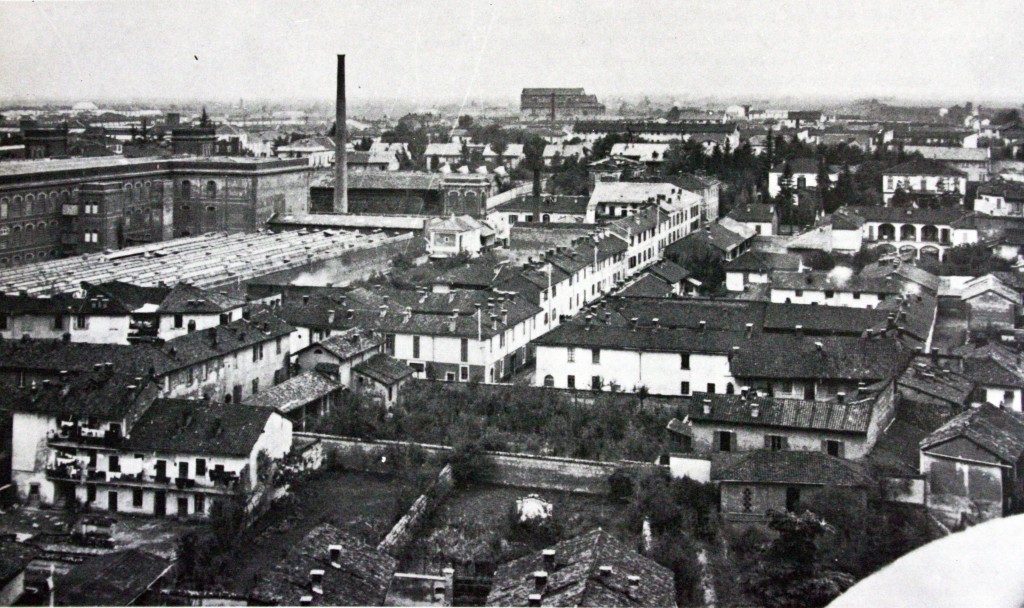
{"x": 421, "y": 51}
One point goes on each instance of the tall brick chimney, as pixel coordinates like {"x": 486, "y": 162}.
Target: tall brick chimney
{"x": 341, "y": 144}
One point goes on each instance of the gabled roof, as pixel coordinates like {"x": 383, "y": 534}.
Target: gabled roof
{"x": 648, "y": 286}
{"x": 295, "y": 392}
{"x": 457, "y": 223}
{"x": 385, "y": 180}
{"x": 188, "y": 299}
{"x": 834, "y": 281}
{"x": 669, "y": 270}
{"x": 843, "y": 320}
{"x": 114, "y": 579}
{"x": 762, "y": 261}
{"x": 755, "y": 410}
{"x": 104, "y": 394}
{"x": 943, "y": 216}
{"x": 802, "y": 166}
{"x": 384, "y": 369}
{"x": 190, "y": 426}
{"x": 349, "y": 343}
{"x": 572, "y": 205}
{"x": 576, "y": 579}
{"x": 994, "y": 429}
{"x": 361, "y": 578}
{"x": 1007, "y": 189}
{"x": 784, "y": 356}
{"x": 989, "y": 283}
{"x": 790, "y": 467}
{"x": 986, "y": 371}
{"x": 924, "y": 166}
{"x": 755, "y": 213}
{"x": 927, "y": 377}
{"x": 907, "y": 272}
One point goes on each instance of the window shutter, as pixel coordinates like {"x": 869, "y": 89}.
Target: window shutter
{"x": 785, "y": 442}
{"x": 767, "y": 441}
{"x": 824, "y": 446}
{"x": 842, "y": 449}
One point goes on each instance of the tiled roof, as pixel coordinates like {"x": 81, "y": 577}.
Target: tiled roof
{"x": 101, "y": 394}
{"x": 787, "y": 413}
{"x": 989, "y": 372}
{"x": 762, "y": 261}
{"x": 780, "y": 356}
{"x": 295, "y": 392}
{"x": 986, "y": 284}
{"x": 361, "y": 578}
{"x": 385, "y": 180}
{"x": 791, "y": 467}
{"x": 924, "y": 376}
{"x": 384, "y": 368}
{"x": 114, "y": 579}
{"x": 189, "y": 426}
{"x": 458, "y": 223}
{"x": 951, "y": 154}
{"x": 996, "y": 430}
{"x": 943, "y": 216}
{"x": 576, "y": 579}
{"x": 645, "y": 339}
{"x": 801, "y": 165}
{"x": 924, "y": 166}
{"x": 669, "y": 270}
{"x": 14, "y": 558}
{"x": 753, "y": 213}
{"x": 907, "y": 272}
{"x": 187, "y": 299}
{"x": 834, "y": 281}
{"x": 349, "y": 343}
{"x": 1012, "y": 190}
{"x": 822, "y": 319}
{"x": 648, "y": 286}
{"x": 574, "y": 205}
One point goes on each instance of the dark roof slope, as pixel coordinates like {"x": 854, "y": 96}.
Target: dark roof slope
{"x": 784, "y": 356}
{"x": 14, "y": 558}
{"x": 791, "y": 467}
{"x": 576, "y": 579}
{"x": 763, "y": 261}
{"x": 757, "y": 410}
{"x": 294, "y": 392}
{"x": 986, "y": 371}
{"x": 757, "y": 213}
{"x": 573, "y": 205}
{"x": 997, "y": 430}
{"x": 362, "y": 578}
{"x": 186, "y": 299}
{"x": 833, "y": 281}
{"x": 102, "y": 394}
{"x": 190, "y": 426}
{"x": 349, "y": 343}
{"x": 822, "y": 319}
{"x": 114, "y": 579}
{"x": 384, "y": 368}
{"x": 924, "y": 166}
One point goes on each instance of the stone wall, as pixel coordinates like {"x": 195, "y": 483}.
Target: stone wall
{"x": 507, "y": 469}
{"x": 402, "y": 532}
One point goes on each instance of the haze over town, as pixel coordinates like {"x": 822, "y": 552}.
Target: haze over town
{"x": 511, "y": 304}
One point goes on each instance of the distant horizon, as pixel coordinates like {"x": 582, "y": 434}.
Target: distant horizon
{"x": 459, "y": 50}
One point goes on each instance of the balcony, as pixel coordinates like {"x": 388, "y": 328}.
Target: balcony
{"x": 85, "y": 436}
{"x": 184, "y": 482}
{"x": 64, "y": 472}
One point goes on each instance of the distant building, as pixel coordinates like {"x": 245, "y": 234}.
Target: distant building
{"x": 319, "y": 150}
{"x": 559, "y": 103}
{"x": 649, "y": 154}
{"x": 456, "y": 235}
{"x": 121, "y": 578}
{"x": 803, "y": 175}
{"x": 924, "y": 180}
{"x": 1001, "y": 197}
{"x": 975, "y": 162}
{"x": 762, "y": 218}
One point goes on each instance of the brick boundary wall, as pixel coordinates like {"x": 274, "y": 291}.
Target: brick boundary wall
{"x": 403, "y": 531}
{"x": 508, "y": 469}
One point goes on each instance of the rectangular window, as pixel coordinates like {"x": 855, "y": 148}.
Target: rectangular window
{"x": 570, "y": 381}
{"x": 799, "y": 292}
{"x": 279, "y": 346}
{"x": 81, "y": 322}
{"x": 684, "y": 361}
{"x": 137, "y": 498}
{"x": 833, "y": 448}
{"x": 114, "y": 464}
{"x": 463, "y": 373}
{"x": 684, "y": 388}
{"x": 571, "y": 354}
{"x": 856, "y": 295}
{"x": 595, "y": 355}
{"x": 179, "y": 321}
{"x": 711, "y": 387}
{"x": 90, "y": 493}
{"x": 200, "y": 501}
{"x": 829, "y": 293}
{"x": 725, "y": 441}
{"x": 200, "y": 467}
{"x": 415, "y": 347}
{"x": 775, "y": 443}
{"x": 58, "y": 321}
{"x": 464, "y": 353}
{"x": 255, "y": 385}
{"x": 389, "y": 344}
{"x": 595, "y": 382}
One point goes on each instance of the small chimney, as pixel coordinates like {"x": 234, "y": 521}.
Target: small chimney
{"x": 549, "y": 558}
{"x": 841, "y": 396}
{"x": 707, "y": 407}
{"x": 657, "y": 322}
{"x": 330, "y": 317}
{"x": 606, "y": 572}
{"x": 305, "y": 299}
{"x": 316, "y": 581}
{"x": 535, "y": 599}
{"x": 750, "y": 329}
{"x": 306, "y": 600}
{"x": 383, "y": 311}
{"x": 540, "y": 579}
{"x": 334, "y": 551}
{"x": 799, "y": 330}
{"x": 453, "y": 320}
{"x": 819, "y": 346}
{"x": 703, "y": 325}
{"x": 504, "y": 316}
{"x": 634, "y": 583}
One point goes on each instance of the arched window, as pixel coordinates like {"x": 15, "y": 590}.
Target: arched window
{"x": 801, "y": 182}
{"x": 211, "y": 189}
{"x": 546, "y": 218}
{"x": 191, "y": 326}
{"x": 549, "y": 381}
{"x": 729, "y": 389}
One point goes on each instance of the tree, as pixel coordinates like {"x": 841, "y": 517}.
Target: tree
{"x": 824, "y": 186}
{"x": 465, "y": 121}
{"x": 901, "y": 198}
{"x": 469, "y": 464}
{"x": 364, "y": 144}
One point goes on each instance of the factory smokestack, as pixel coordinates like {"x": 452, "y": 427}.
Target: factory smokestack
{"x": 341, "y": 144}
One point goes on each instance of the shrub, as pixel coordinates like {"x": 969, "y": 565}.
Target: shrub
{"x": 620, "y": 484}
{"x": 469, "y": 465}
